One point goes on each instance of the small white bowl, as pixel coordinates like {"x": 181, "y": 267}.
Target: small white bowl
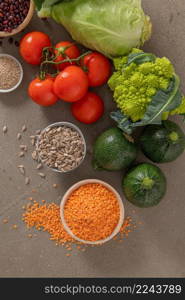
{"x": 59, "y": 124}
{"x": 66, "y": 197}
{"x": 21, "y": 74}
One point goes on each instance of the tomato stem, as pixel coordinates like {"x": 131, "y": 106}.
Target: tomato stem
{"x": 66, "y": 60}
{"x": 49, "y": 58}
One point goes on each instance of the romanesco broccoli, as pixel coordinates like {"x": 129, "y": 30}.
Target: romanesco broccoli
{"x": 179, "y": 110}
{"x": 135, "y": 84}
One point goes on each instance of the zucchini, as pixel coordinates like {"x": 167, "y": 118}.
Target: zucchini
{"x": 144, "y": 185}
{"x": 163, "y": 143}
{"x": 113, "y": 150}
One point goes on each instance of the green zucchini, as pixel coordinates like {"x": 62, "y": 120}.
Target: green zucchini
{"x": 144, "y": 185}
{"x": 163, "y": 143}
{"x": 113, "y": 150}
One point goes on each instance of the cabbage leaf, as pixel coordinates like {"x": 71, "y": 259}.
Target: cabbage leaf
{"x": 112, "y": 27}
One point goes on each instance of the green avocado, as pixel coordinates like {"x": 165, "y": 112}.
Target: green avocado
{"x": 113, "y": 150}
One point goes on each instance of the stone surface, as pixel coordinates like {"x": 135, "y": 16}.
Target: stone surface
{"x": 156, "y": 248}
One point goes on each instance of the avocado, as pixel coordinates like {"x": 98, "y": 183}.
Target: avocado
{"x": 113, "y": 150}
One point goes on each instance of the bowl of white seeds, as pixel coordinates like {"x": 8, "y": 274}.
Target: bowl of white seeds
{"x": 61, "y": 147}
{"x": 11, "y": 73}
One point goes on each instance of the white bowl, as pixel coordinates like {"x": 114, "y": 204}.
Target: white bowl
{"x": 76, "y": 186}
{"x": 21, "y": 74}
{"x": 67, "y": 124}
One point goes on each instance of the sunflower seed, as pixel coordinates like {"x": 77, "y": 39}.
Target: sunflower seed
{"x": 33, "y": 142}
{"x": 27, "y": 180}
{"x": 24, "y": 128}
{"x": 19, "y": 136}
{"x": 42, "y": 175}
{"x": 55, "y": 185}
{"x": 21, "y": 169}
{"x": 38, "y": 132}
{"x": 20, "y": 166}
{"x": 21, "y": 154}
{"x": 34, "y": 155}
{"x": 5, "y": 129}
{"x": 61, "y": 147}
{"x": 39, "y": 166}
{"x": 23, "y": 147}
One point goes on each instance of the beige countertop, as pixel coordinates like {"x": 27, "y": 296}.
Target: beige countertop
{"x": 157, "y": 247}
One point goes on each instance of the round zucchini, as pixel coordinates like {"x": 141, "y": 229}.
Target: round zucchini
{"x": 113, "y": 151}
{"x": 163, "y": 143}
{"x": 144, "y": 185}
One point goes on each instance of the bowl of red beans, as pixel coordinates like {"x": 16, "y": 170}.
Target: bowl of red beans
{"x": 15, "y": 15}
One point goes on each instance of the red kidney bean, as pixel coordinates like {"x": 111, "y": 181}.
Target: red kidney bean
{"x": 12, "y": 13}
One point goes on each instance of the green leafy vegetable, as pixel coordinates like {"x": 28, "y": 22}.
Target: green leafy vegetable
{"x": 146, "y": 89}
{"x": 140, "y": 58}
{"x": 112, "y": 27}
{"x": 44, "y": 6}
{"x": 162, "y": 101}
{"x": 122, "y": 121}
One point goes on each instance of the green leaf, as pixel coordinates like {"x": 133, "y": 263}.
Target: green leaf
{"x": 163, "y": 101}
{"x": 140, "y": 58}
{"x": 44, "y": 6}
{"x": 112, "y": 27}
{"x": 38, "y": 3}
{"x": 122, "y": 121}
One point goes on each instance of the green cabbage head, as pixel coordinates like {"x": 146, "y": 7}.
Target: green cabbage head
{"x": 112, "y": 27}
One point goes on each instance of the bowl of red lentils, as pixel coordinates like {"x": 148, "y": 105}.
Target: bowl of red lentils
{"x": 15, "y": 15}
{"x": 92, "y": 212}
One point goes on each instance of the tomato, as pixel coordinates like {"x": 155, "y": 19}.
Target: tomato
{"x": 41, "y": 91}
{"x": 89, "y": 109}
{"x": 31, "y": 46}
{"x": 98, "y": 68}
{"x": 49, "y": 76}
{"x": 71, "y": 84}
{"x": 71, "y": 52}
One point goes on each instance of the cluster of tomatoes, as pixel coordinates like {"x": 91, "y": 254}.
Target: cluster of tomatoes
{"x": 75, "y": 73}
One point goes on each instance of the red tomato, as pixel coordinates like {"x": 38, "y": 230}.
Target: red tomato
{"x": 49, "y": 76}
{"x": 98, "y": 68}
{"x": 71, "y": 84}
{"x": 89, "y": 109}
{"x": 71, "y": 52}
{"x": 31, "y": 46}
{"x": 41, "y": 92}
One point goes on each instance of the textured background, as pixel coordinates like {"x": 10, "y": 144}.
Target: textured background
{"x": 157, "y": 247}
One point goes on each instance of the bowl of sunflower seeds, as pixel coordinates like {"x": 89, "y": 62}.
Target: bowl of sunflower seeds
{"x": 61, "y": 147}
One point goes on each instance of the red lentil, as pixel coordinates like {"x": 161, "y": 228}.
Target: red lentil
{"x": 92, "y": 212}
{"x": 46, "y": 217}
